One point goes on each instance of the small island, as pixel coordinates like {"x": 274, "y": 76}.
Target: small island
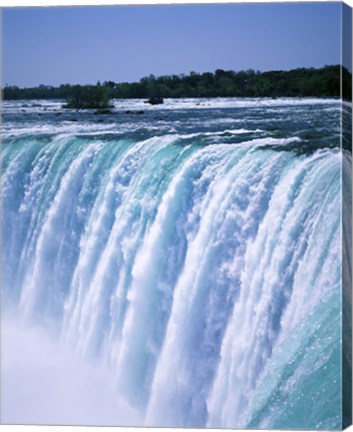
{"x": 88, "y": 97}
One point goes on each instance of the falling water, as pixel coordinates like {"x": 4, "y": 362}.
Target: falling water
{"x": 200, "y": 264}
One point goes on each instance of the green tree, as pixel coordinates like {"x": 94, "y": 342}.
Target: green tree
{"x": 85, "y": 97}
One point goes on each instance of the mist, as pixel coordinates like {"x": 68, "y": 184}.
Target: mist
{"x": 43, "y": 381}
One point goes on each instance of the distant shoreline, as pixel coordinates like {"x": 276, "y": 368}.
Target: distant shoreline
{"x": 302, "y": 82}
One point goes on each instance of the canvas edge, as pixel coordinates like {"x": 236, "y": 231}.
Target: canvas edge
{"x": 346, "y": 137}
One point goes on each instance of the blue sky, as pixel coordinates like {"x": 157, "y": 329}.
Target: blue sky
{"x": 55, "y": 45}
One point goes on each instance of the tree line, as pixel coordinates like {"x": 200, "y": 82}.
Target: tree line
{"x": 302, "y": 82}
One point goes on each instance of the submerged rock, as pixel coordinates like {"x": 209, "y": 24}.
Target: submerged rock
{"x": 103, "y": 111}
{"x": 139, "y": 112}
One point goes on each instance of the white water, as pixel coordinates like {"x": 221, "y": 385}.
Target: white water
{"x": 170, "y": 277}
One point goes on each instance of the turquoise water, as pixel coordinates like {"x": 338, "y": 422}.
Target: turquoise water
{"x": 193, "y": 250}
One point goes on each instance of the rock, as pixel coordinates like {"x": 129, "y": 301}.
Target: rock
{"x": 155, "y": 101}
{"x": 135, "y": 112}
{"x": 103, "y": 111}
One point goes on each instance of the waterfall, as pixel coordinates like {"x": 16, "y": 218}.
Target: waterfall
{"x": 187, "y": 269}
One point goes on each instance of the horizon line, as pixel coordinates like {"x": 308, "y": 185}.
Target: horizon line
{"x": 181, "y": 75}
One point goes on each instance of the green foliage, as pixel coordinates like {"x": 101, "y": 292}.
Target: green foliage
{"x": 83, "y": 97}
{"x": 346, "y": 84}
{"x": 324, "y": 82}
